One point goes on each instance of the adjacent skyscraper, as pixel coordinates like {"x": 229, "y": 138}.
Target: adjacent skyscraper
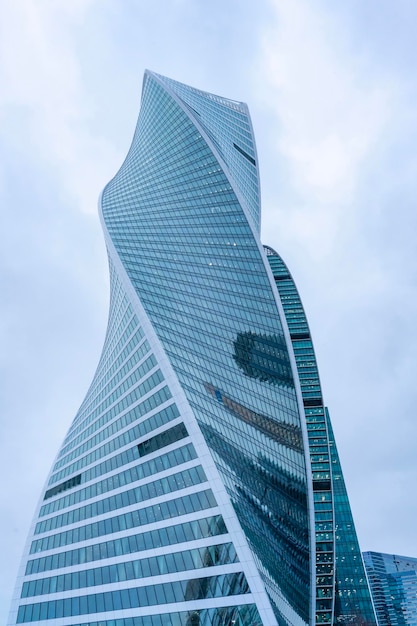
{"x": 342, "y": 592}
{"x": 184, "y": 493}
{"x": 393, "y": 581}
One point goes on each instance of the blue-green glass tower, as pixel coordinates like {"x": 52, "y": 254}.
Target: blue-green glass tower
{"x": 342, "y": 591}
{"x": 183, "y": 493}
{"x": 393, "y": 582}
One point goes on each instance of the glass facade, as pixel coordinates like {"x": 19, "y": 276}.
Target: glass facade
{"x": 393, "y": 582}
{"x": 342, "y": 592}
{"x": 194, "y": 261}
{"x": 183, "y": 493}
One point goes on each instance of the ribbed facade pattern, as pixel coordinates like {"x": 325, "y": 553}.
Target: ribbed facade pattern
{"x": 353, "y": 598}
{"x": 199, "y": 483}
{"x": 342, "y": 592}
{"x": 181, "y": 494}
{"x": 393, "y": 581}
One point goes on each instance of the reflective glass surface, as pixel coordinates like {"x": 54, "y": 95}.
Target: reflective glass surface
{"x": 179, "y": 226}
{"x": 353, "y": 597}
{"x": 130, "y": 544}
{"x": 246, "y": 615}
{"x": 128, "y": 520}
{"x": 393, "y": 582}
{"x": 342, "y": 592}
{"x": 147, "y": 515}
{"x": 135, "y": 597}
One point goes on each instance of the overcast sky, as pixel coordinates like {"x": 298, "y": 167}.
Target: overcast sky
{"x": 332, "y": 90}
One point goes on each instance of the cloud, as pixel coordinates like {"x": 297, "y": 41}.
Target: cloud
{"x": 331, "y": 112}
{"x": 45, "y": 106}
{"x": 341, "y": 209}
{"x": 332, "y": 115}
{"x": 52, "y": 167}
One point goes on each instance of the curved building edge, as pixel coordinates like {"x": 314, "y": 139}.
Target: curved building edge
{"x": 343, "y": 593}
{"x": 187, "y": 413}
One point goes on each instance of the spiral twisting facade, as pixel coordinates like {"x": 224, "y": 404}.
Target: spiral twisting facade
{"x": 182, "y": 494}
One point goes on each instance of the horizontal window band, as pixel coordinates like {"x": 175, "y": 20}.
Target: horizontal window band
{"x": 186, "y": 532}
{"x": 68, "y": 484}
{"x": 152, "y": 595}
{"x": 157, "y": 512}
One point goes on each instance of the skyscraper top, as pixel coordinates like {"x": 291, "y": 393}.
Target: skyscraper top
{"x": 227, "y": 126}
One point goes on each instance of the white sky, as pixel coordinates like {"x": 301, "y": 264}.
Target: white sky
{"x": 332, "y": 89}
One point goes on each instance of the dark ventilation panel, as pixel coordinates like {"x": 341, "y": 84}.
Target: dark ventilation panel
{"x": 312, "y": 402}
{"x": 282, "y": 277}
{"x": 68, "y": 484}
{"x": 163, "y": 439}
{"x": 245, "y": 154}
{"x": 322, "y": 485}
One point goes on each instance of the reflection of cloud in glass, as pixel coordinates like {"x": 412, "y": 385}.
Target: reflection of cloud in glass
{"x": 271, "y": 503}
{"x": 286, "y": 434}
{"x": 264, "y": 357}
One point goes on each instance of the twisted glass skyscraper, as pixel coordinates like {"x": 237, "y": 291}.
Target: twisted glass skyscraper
{"x": 183, "y": 493}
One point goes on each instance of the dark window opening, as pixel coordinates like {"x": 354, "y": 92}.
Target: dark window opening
{"x": 163, "y": 439}
{"x": 245, "y": 154}
{"x": 68, "y": 484}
